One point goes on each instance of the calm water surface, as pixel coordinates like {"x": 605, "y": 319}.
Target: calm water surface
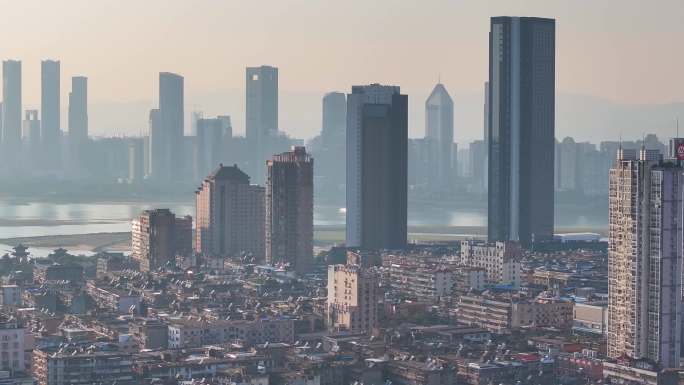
{"x": 41, "y": 218}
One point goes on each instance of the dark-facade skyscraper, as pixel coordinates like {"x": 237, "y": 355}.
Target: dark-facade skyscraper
{"x": 261, "y": 115}
{"x": 521, "y": 128}
{"x": 50, "y": 131}
{"x": 377, "y": 140}
{"x": 11, "y": 104}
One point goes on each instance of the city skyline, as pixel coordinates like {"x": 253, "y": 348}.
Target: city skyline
{"x": 592, "y": 60}
{"x": 371, "y": 203}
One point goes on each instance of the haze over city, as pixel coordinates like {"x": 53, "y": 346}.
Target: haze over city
{"x": 617, "y": 66}
{"x": 341, "y": 193}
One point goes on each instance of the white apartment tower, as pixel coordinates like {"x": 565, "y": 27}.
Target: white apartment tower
{"x": 645, "y": 258}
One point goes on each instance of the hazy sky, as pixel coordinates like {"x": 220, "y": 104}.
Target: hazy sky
{"x": 625, "y": 51}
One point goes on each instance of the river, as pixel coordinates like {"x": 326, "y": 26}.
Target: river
{"x": 31, "y": 219}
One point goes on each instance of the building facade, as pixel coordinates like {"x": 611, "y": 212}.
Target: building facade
{"x": 208, "y": 146}
{"x": 377, "y": 140}
{"x": 158, "y": 236}
{"x": 500, "y": 260}
{"x": 645, "y": 258}
{"x": 74, "y": 366}
{"x": 261, "y": 123}
{"x": 352, "y": 299}
{"x": 11, "y": 104}
{"x": 12, "y": 349}
{"x": 230, "y": 215}
{"x": 521, "y": 129}
{"x": 166, "y": 129}
{"x": 50, "y": 131}
{"x": 439, "y": 130}
{"x": 289, "y": 209}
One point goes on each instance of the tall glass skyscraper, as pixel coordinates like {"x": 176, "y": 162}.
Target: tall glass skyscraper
{"x": 377, "y": 148}
{"x": 521, "y": 128}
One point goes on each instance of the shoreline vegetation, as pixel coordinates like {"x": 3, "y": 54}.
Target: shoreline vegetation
{"x": 324, "y": 237}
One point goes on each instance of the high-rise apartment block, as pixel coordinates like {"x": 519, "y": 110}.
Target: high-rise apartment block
{"x": 50, "y": 131}
{"x": 331, "y": 154}
{"x": 377, "y": 147}
{"x": 229, "y": 214}
{"x": 208, "y": 145}
{"x": 353, "y": 294}
{"x": 521, "y": 129}
{"x": 289, "y": 209}
{"x": 11, "y": 104}
{"x": 166, "y": 129}
{"x": 645, "y": 258}
{"x": 158, "y": 236}
{"x": 78, "y": 110}
{"x": 261, "y": 115}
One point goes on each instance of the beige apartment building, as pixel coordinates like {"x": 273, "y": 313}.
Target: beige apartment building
{"x": 229, "y": 215}
{"x": 353, "y": 294}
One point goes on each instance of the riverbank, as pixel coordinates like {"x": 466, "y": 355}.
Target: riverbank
{"x": 324, "y": 237}
{"x": 94, "y": 242}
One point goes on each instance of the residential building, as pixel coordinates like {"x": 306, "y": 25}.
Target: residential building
{"x": 521, "y": 129}
{"x": 192, "y": 333}
{"x": 501, "y": 260}
{"x": 78, "y": 110}
{"x": 158, "y": 236}
{"x": 638, "y": 372}
{"x": 31, "y": 131}
{"x": 591, "y": 318}
{"x": 114, "y": 299}
{"x": 208, "y": 146}
{"x": 501, "y": 314}
{"x": 289, "y": 210}
{"x": 50, "y": 131}
{"x": 76, "y": 365}
{"x": 12, "y": 348}
{"x": 353, "y": 295}
{"x": 136, "y": 160}
{"x": 151, "y": 334}
{"x": 377, "y": 137}
{"x": 645, "y": 258}
{"x": 10, "y": 295}
{"x": 11, "y": 106}
{"x": 230, "y": 215}
{"x": 422, "y": 283}
{"x": 166, "y": 129}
